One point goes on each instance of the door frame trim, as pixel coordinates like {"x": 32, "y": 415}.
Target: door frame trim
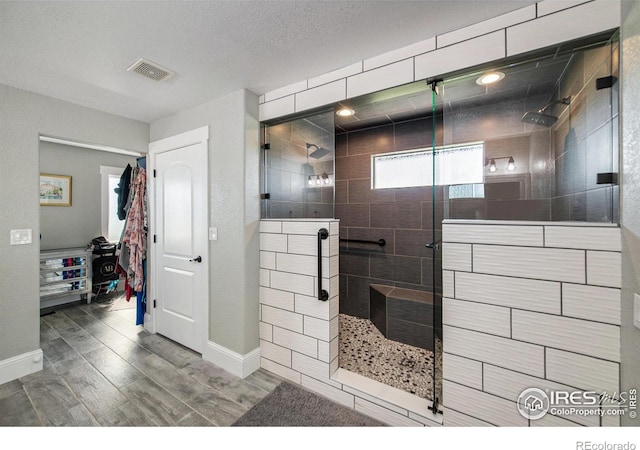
{"x": 196, "y": 136}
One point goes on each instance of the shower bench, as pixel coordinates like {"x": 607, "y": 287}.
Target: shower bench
{"x": 402, "y": 315}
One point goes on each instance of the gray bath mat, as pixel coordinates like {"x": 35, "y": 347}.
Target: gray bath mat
{"x": 289, "y": 405}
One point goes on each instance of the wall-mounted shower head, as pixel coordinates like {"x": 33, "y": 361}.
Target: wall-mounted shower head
{"x": 540, "y": 117}
{"x": 318, "y": 153}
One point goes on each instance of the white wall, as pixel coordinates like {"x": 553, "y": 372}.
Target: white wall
{"x": 75, "y": 226}
{"x": 23, "y": 116}
{"x": 234, "y": 210}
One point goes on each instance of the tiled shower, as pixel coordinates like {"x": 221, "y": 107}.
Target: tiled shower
{"x": 394, "y": 292}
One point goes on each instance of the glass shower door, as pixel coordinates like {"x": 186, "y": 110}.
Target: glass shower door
{"x": 298, "y": 174}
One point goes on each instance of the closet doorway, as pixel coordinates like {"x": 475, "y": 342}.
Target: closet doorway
{"x": 178, "y": 244}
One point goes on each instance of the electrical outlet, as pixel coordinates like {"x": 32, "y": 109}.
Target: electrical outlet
{"x": 20, "y": 237}
{"x": 213, "y": 234}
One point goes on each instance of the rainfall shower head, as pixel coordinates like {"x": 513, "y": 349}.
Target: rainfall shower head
{"x": 540, "y": 117}
{"x": 318, "y": 153}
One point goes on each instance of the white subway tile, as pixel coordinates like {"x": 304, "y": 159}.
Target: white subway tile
{"x": 285, "y": 91}
{"x": 456, "y": 256}
{"x": 588, "y": 238}
{"x": 509, "y": 385}
{"x": 334, "y": 349}
{"x": 552, "y": 421}
{"x": 334, "y": 228}
{"x": 487, "y": 26}
{"x": 277, "y": 108}
{"x": 522, "y": 293}
{"x": 311, "y": 306}
{"x": 596, "y": 303}
{"x": 334, "y": 75}
{"x": 310, "y": 366}
{"x": 330, "y": 392}
{"x": 281, "y": 318}
{"x": 333, "y": 269}
{"x": 400, "y": 54}
{"x": 265, "y": 277}
{"x": 483, "y": 406}
{"x": 303, "y": 245}
{"x": 276, "y": 298}
{"x": 526, "y": 236}
{"x": 462, "y": 370}
{"x": 587, "y": 19}
{"x": 453, "y": 418}
{"x": 278, "y": 369}
{"x": 275, "y": 353}
{"x": 300, "y": 264}
{"x": 334, "y": 245}
{"x": 604, "y": 269}
{"x": 499, "y": 351}
{"x": 321, "y": 95}
{"x": 316, "y": 328}
{"x": 552, "y": 6}
{"x": 427, "y": 421}
{"x": 528, "y": 262}
{"x": 334, "y": 328}
{"x": 611, "y": 420}
{"x": 381, "y": 78}
{"x": 266, "y": 331}
{"x": 575, "y": 335}
{"x": 448, "y": 286}
{"x": 334, "y": 305}
{"x": 273, "y": 242}
{"x": 299, "y": 284}
{"x": 270, "y": 226}
{"x": 304, "y": 227}
{"x": 458, "y": 56}
{"x": 267, "y": 260}
{"x": 477, "y": 316}
{"x": 384, "y": 415}
{"x": 295, "y": 341}
{"x": 583, "y": 372}
{"x": 324, "y": 351}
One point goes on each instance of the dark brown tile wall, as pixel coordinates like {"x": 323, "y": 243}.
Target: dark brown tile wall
{"x": 402, "y": 217}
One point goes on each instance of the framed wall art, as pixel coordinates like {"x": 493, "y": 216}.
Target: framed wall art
{"x": 55, "y": 190}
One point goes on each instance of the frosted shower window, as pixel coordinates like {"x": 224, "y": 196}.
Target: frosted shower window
{"x": 457, "y": 164}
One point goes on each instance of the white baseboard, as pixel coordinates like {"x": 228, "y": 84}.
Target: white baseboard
{"x": 21, "y": 365}
{"x": 235, "y": 363}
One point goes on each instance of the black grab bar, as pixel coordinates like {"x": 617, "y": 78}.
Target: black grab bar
{"x": 323, "y": 295}
{"x": 380, "y": 242}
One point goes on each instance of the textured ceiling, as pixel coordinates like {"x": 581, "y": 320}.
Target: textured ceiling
{"x": 79, "y": 51}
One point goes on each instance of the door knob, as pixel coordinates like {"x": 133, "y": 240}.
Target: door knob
{"x": 197, "y": 259}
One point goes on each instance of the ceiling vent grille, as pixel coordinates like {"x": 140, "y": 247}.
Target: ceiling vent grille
{"x": 150, "y": 70}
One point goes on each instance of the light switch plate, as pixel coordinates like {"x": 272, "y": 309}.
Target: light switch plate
{"x": 20, "y": 237}
{"x": 636, "y": 310}
{"x": 213, "y": 234}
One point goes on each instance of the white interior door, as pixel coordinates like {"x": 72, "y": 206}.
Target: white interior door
{"x": 181, "y": 269}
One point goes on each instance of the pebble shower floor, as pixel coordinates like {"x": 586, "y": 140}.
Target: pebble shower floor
{"x": 365, "y": 351}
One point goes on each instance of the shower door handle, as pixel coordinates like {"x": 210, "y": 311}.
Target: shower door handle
{"x": 322, "y": 235}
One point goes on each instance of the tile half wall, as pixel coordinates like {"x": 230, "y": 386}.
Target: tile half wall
{"x": 528, "y": 305}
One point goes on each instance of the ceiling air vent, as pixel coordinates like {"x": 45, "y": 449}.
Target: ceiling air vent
{"x": 150, "y": 70}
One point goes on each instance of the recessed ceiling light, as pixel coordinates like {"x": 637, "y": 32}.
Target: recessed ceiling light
{"x": 345, "y": 112}
{"x": 490, "y": 77}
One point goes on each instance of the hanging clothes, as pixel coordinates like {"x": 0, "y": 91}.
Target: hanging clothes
{"x": 123, "y": 191}
{"x": 135, "y": 232}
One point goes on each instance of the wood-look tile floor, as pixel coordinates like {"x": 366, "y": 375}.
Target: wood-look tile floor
{"x": 100, "y": 369}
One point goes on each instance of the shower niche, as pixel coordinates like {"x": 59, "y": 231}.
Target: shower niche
{"x": 538, "y": 144}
